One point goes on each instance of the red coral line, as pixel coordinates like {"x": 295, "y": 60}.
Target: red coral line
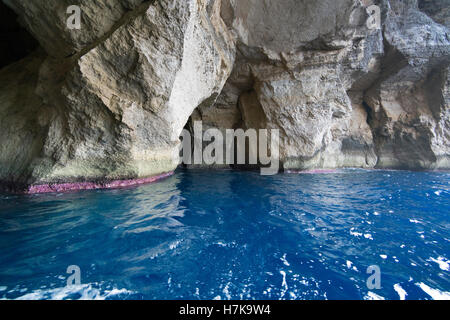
{"x": 65, "y": 187}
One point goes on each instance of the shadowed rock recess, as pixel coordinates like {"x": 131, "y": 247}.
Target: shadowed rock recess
{"x": 108, "y": 102}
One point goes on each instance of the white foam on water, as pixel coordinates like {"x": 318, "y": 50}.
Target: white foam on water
{"x": 116, "y": 292}
{"x": 401, "y": 292}
{"x": 285, "y": 262}
{"x": 304, "y": 282}
{"x": 354, "y": 233}
{"x": 174, "y": 245}
{"x": 436, "y": 294}
{"x": 383, "y": 256}
{"x": 373, "y": 296}
{"x": 85, "y": 292}
{"x": 438, "y": 193}
{"x": 443, "y": 263}
{"x": 284, "y": 284}
{"x": 350, "y": 265}
{"x": 414, "y": 221}
{"x": 368, "y": 236}
{"x": 226, "y": 291}
{"x": 3, "y": 288}
{"x": 267, "y": 291}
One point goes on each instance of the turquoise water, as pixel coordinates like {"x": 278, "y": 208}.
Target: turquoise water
{"x": 233, "y": 235}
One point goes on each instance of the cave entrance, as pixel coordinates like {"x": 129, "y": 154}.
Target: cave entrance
{"x": 15, "y": 41}
{"x": 208, "y": 145}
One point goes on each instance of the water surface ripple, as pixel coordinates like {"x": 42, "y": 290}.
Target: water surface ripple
{"x": 233, "y": 235}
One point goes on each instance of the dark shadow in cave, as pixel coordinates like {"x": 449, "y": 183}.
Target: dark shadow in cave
{"x": 15, "y": 42}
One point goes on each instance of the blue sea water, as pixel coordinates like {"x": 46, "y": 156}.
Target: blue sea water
{"x": 233, "y": 235}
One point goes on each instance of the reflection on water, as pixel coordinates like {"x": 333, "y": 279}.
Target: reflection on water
{"x": 233, "y": 235}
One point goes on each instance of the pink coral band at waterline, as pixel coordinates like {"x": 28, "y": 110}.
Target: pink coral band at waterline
{"x": 75, "y": 186}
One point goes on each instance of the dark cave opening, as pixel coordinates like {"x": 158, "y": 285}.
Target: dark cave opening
{"x": 15, "y": 42}
{"x": 368, "y": 110}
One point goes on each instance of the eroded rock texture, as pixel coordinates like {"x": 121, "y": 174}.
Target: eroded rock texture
{"x": 109, "y": 101}
{"x": 342, "y": 93}
{"x": 408, "y": 109}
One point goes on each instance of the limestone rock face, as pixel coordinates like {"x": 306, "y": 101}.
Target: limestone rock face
{"x": 342, "y": 92}
{"x": 47, "y": 21}
{"x": 116, "y": 108}
{"x": 22, "y": 120}
{"x": 109, "y": 101}
{"x": 298, "y": 66}
{"x": 409, "y": 111}
{"x": 438, "y": 10}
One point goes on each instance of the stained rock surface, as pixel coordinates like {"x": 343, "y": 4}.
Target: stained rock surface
{"x": 109, "y": 101}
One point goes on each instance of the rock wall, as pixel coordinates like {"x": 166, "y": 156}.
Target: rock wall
{"x": 341, "y": 93}
{"x": 409, "y": 115}
{"x": 109, "y": 101}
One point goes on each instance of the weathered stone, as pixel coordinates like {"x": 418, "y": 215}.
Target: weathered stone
{"x": 294, "y": 76}
{"x": 117, "y": 108}
{"x": 24, "y": 119}
{"x": 438, "y": 10}
{"x": 47, "y": 21}
{"x": 408, "y": 111}
{"x": 323, "y": 90}
{"x": 109, "y": 101}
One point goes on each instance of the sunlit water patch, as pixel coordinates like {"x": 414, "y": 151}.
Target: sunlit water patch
{"x": 233, "y": 235}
